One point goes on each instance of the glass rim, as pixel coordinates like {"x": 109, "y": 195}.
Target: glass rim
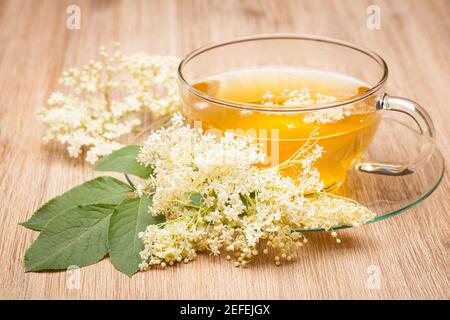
{"x": 279, "y": 36}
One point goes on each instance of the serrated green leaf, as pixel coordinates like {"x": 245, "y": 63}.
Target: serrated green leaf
{"x": 103, "y": 190}
{"x": 77, "y": 237}
{"x": 128, "y": 219}
{"x": 125, "y": 161}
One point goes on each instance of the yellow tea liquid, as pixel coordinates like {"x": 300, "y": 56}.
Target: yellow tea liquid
{"x": 343, "y": 132}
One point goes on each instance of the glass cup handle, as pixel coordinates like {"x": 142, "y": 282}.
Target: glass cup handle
{"x": 423, "y": 121}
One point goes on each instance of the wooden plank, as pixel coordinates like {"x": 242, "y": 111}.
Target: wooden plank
{"x": 411, "y": 249}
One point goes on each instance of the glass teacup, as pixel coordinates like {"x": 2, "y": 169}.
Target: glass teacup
{"x": 293, "y": 90}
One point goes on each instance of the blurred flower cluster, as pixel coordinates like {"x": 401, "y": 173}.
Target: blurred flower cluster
{"x": 104, "y": 100}
{"x": 215, "y": 199}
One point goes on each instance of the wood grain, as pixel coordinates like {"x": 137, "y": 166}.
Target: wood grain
{"x": 411, "y": 250}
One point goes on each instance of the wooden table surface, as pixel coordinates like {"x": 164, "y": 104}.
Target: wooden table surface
{"x": 411, "y": 250}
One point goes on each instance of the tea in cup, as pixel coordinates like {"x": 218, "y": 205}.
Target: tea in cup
{"x": 288, "y": 90}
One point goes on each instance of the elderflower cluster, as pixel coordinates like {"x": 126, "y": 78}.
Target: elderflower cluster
{"x": 215, "y": 199}
{"x": 295, "y": 98}
{"x": 306, "y": 98}
{"x": 105, "y": 98}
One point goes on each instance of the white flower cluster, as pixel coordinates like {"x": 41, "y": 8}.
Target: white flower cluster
{"x": 295, "y": 98}
{"x": 215, "y": 199}
{"x": 105, "y": 98}
{"x": 304, "y": 98}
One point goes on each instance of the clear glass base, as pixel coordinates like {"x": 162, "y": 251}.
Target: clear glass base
{"x": 387, "y": 195}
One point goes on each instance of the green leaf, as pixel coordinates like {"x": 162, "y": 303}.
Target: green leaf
{"x": 104, "y": 190}
{"x": 196, "y": 199}
{"x": 248, "y": 200}
{"x": 77, "y": 237}
{"x": 125, "y": 161}
{"x": 128, "y": 219}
